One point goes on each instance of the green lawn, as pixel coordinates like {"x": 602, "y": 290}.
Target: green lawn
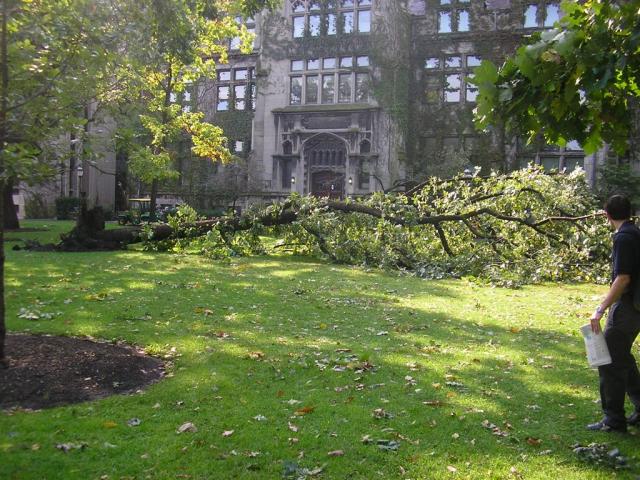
{"x": 299, "y": 358}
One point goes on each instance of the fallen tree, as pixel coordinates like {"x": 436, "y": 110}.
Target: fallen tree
{"x": 525, "y": 226}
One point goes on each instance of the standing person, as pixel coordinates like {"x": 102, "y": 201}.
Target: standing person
{"x": 623, "y": 322}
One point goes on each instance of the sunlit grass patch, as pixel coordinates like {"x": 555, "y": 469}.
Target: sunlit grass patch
{"x": 297, "y": 358}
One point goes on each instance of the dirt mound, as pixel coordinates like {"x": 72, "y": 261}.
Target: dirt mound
{"x": 47, "y": 371}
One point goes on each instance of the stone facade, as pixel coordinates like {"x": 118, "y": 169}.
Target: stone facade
{"x": 349, "y": 97}
{"x": 84, "y": 168}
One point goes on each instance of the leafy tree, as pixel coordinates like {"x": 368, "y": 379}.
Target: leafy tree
{"x": 183, "y": 41}
{"x": 52, "y": 53}
{"x": 576, "y": 81}
{"x": 617, "y": 179}
{"x": 56, "y": 55}
{"x": 51, "y": 57}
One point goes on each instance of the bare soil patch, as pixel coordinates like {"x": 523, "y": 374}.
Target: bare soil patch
{"x": 47, "y": 371}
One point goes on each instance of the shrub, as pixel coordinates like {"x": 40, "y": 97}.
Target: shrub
{"x": 619, "y": 179}
{"x": 67, "y": 208}
{"x": 108, "y": 213}
{"x": 36, "y": 206}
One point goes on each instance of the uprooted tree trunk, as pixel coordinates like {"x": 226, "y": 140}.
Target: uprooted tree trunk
{"x": 90, "y": 234}
{"x": 525, "y": 224}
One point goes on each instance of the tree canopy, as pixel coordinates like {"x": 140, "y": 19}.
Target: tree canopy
{"x": 184, "y": 41}
{"x": 56, "y": 56}
{"x": 576, "y": 81}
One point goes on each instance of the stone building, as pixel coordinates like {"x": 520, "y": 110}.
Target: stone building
{"x": 84, "y": 169}
{"x": 347, "y": 97}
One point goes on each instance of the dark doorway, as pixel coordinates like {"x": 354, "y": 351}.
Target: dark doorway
{"x": 327, "y": 184}
{"x": 325, "y": 158}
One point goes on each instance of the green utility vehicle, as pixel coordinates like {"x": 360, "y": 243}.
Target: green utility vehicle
{"x": 138, "y": 212}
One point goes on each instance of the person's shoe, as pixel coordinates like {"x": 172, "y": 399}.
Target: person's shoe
{"x": 603, "y": 427}
{"x": 634, "y": 418}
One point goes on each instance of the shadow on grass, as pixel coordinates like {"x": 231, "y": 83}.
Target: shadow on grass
{"x": 254, "y": 334}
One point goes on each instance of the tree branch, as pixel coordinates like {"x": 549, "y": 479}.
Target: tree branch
{"x": 443, "y": 240}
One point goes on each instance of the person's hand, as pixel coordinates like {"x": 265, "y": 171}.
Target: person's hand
{"x": 595, "y": 321}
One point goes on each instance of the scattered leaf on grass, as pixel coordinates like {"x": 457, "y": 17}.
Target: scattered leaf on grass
{"x": 292, "y": 427}
{"x": 434, "y": 403}
{"x": 109, "y": 424}
{"x": 66, "y": 447}
{"x": 260, "y": 418}
{"x": 495, "y": 429}
{"x": 390, "y": 445}
{"x": 134, "y": 422}
{"x": 304, "y": 411}
{"x": 227, "y": 433}
{"x": 514, "y": 471}
{"x": 381, "y": 413}
{"x": 534, "y": 442}
{"x": 187, "y": 427}
{"x": 452, "y": 469}
{"x": 336, "y": 453}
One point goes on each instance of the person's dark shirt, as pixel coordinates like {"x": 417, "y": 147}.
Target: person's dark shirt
{"x": 626, "y": 256}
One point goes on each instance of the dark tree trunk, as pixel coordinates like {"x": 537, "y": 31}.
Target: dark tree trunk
{"x": 153, "y": 200}
{"x": 4, "y": 92}
{"x": 10, "y": 214}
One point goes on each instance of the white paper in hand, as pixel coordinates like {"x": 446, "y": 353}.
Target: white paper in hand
{"x": 597, "y": 351}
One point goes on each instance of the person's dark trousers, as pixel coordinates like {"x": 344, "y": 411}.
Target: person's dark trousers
{"x": 621, "y": 376}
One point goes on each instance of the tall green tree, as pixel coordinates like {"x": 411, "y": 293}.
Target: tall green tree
{"x": 576, "y": 81}
{"x": 183, "y": 41}
{"x": 51, "y": 57}
{"x": 57, "y": 55}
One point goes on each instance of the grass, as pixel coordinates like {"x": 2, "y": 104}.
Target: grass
{"x": 259, "y": 347}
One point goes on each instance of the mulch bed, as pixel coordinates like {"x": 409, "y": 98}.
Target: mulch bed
{"x": 46, "y": 371}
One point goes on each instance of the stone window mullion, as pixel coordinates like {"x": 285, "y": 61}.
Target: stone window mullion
{"x": 329, "y": 80}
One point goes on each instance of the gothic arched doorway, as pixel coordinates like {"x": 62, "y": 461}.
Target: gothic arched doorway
{"x": 325, "y": 159}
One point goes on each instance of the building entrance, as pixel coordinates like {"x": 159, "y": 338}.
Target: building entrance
{"x": 327, "y": 184}
{"x": 325, "y": 159}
